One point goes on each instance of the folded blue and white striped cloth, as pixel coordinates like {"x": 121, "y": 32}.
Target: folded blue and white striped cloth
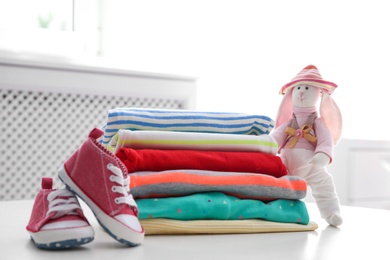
{"x": 185, "y": 121}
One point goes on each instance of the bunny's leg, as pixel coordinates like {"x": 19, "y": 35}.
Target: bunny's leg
{"x": 319, "y": 180}
{"x": 324, "y": 192}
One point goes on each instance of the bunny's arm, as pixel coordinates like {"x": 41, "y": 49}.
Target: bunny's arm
{"x": 324, "y": 141}
{"x": 279, "y": 134}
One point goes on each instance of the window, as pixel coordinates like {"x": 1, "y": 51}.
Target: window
{"x": 60, "y": 27}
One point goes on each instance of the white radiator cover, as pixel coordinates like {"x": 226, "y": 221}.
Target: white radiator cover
{"x": 47, "y": 111}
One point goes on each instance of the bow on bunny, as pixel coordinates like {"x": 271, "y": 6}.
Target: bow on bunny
{"x": 296, "y": 134}
{"x": 306, "y": 137}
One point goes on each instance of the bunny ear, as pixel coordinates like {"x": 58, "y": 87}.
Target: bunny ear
{"x": 331, "y": 115}
{"x": 285, "y": 109}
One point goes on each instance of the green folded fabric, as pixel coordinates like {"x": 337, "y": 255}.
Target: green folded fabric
{"x": 219, "y": 206}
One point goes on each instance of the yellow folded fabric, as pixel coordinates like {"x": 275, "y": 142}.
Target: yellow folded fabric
{"x": 166, "y": 140}
{"x": 174, "y": 227}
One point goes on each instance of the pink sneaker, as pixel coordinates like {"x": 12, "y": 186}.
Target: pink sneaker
{"x": 57, "y": 220}
{"x": 98, "y": 177}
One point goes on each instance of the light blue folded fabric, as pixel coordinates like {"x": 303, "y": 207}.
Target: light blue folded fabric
{"x": 184, "y": 121}
{"x": 219, "y": 206}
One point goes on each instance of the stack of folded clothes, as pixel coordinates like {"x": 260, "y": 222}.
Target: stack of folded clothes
{"x": 206, "y": 172}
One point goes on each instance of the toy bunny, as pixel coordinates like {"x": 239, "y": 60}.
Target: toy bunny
{"x": 306, "y": 141}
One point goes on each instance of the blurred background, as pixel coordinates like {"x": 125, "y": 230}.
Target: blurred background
{"x": 240, "y": 51}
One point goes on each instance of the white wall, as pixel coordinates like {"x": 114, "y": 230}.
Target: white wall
{"x": 243, "y": 51}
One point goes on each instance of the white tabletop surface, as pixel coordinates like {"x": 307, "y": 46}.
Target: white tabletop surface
{"x": 363, "y": 235}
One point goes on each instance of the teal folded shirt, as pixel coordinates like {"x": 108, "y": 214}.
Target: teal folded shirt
{"x": 219, "y": 206}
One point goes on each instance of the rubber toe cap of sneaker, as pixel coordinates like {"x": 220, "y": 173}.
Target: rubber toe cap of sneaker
{"x": 130, "y": 221}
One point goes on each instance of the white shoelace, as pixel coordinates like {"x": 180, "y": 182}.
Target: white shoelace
{"x": 123, "y": 188}
{"x": 63, "y": 202}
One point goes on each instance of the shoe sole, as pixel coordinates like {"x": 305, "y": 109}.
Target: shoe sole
{"x": 113, "y": 227}
{"x": 62, "y": 238}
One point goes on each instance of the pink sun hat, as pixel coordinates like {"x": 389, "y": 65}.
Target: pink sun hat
{"x": 311, "y": 76}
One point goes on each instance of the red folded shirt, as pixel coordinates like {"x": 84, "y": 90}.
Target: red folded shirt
{"x": 161, "y": 160}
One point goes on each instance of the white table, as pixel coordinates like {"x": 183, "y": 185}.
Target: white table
{"x": 363, "y": 235}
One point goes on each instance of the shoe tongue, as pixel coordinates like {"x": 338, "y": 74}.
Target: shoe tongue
{"x": 69, "y": 218}
{"x": 47, "y": 183}
{"x": 96, "y": 133}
